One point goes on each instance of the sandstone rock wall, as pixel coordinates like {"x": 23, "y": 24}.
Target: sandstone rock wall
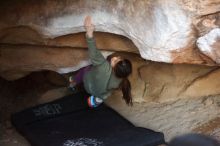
{"x": 162, "y": 82}
{"x": 40, "y": 35}
{"x": 162, "y": 30}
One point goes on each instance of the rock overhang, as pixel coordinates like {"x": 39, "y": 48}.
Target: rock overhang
{"x": 162, "y": 31}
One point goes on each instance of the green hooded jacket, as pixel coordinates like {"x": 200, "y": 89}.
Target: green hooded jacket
{"x": 100, "y": 80}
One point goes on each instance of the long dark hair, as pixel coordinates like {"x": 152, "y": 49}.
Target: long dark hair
{"x": 122, "y": 70}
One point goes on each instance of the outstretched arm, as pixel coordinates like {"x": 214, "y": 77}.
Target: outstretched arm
{"x": 94, "y": 54}
{"x": 89, "y": 27}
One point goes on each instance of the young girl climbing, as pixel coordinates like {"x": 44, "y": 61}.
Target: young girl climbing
{"x": 104, "y": 75}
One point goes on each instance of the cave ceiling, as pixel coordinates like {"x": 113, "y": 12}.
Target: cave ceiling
{"x": 177, "y": 31}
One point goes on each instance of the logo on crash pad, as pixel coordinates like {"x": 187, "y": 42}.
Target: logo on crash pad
{"x": 47, "y": 110}
{"x": 83, "y": 142}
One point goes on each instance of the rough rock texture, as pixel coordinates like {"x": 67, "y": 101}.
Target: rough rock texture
{"x": 163, "y": 82}
{"x": 210, "y": 128}
{"x": 174, "y": 117}
{"x": 159, "y": 33}
{"x": 175, "y": 99}
{"x": 16, "y": 60}
{"x": 48, "y": 35}
{"x": 209, "y": 44}
{"x": 63, "y": 55}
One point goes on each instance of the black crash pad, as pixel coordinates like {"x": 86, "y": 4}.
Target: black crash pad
{"x": 70, "y": 122}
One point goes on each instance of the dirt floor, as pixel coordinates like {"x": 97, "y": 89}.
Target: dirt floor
{"x": 174, "y": 118}
{"x": 18, "y": 95}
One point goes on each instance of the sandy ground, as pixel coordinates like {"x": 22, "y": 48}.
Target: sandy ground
{"x": 173, "y": 118}
{"x": 16, "y": 96}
